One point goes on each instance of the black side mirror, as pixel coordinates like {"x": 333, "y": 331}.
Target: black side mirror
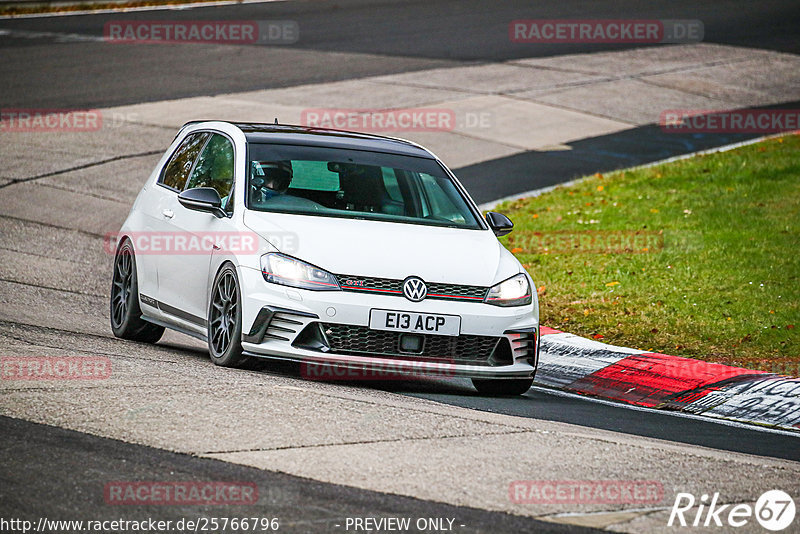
{"x": 499, "y": 223}
{"x": 202, "y": 199}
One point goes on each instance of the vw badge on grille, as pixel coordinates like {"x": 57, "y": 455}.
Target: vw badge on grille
{"x": 414, "y": 289}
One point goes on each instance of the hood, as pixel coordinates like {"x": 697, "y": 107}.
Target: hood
{"x": 386, "y": 249}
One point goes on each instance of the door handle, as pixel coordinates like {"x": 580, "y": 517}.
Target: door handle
{"x": 168, "y": 214}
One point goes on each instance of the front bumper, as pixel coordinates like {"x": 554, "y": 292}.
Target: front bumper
{"x": 331, "y": 328}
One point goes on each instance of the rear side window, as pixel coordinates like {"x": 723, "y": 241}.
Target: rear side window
{"x": 180, "y": 165}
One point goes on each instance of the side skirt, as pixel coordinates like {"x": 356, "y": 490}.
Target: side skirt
{"x": 175, "y": 327}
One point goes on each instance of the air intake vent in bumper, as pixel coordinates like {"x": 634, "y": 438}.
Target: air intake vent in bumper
{"x": 276, "y": 323}
{"x": 524, "y": 345}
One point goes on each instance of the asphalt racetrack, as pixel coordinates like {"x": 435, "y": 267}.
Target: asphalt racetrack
{"x": 321, "y": 453}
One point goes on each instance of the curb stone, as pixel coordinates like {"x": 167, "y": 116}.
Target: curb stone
{"x": 652, "y": 380}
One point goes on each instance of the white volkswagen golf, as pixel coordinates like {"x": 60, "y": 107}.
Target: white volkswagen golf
{"x": 331, "y": 248}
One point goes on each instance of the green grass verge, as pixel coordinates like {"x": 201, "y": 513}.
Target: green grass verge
{"x": 698, "y": 258}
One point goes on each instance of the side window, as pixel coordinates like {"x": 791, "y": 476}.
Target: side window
{"x": 440, "y": 195}
{"x": 215, "y": 167}
{"x": 180, "y": 165}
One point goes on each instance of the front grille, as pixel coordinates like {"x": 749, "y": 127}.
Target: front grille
{"x": 468, "y": 349}
{"x": 367, "y": 283}
{"x": 456, "y": 292}
{"x": 389, "y": 286}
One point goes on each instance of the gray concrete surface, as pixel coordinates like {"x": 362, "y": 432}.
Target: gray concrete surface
{"x": 84, "y": 464}
{"x": 525, "y": 106}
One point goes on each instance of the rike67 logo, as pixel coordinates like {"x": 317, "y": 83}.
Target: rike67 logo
{"x": 774, "y": 510}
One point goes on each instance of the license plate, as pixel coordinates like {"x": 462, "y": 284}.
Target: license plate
{"x": 418, "y": 323}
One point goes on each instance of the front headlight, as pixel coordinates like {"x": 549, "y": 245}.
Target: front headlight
{"x": 285, "y": 270}
{"x": 516, "y": 291}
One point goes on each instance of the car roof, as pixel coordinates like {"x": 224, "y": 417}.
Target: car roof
{"x": 288, "y": 134}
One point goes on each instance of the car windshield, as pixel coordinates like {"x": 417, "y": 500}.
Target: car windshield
{"x": 354, "y": 184}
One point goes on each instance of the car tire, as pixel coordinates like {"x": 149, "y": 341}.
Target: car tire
{"x": 502, "y": 387}
{"x": 225, "y": 320}
{"x": 125, "y": 312}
